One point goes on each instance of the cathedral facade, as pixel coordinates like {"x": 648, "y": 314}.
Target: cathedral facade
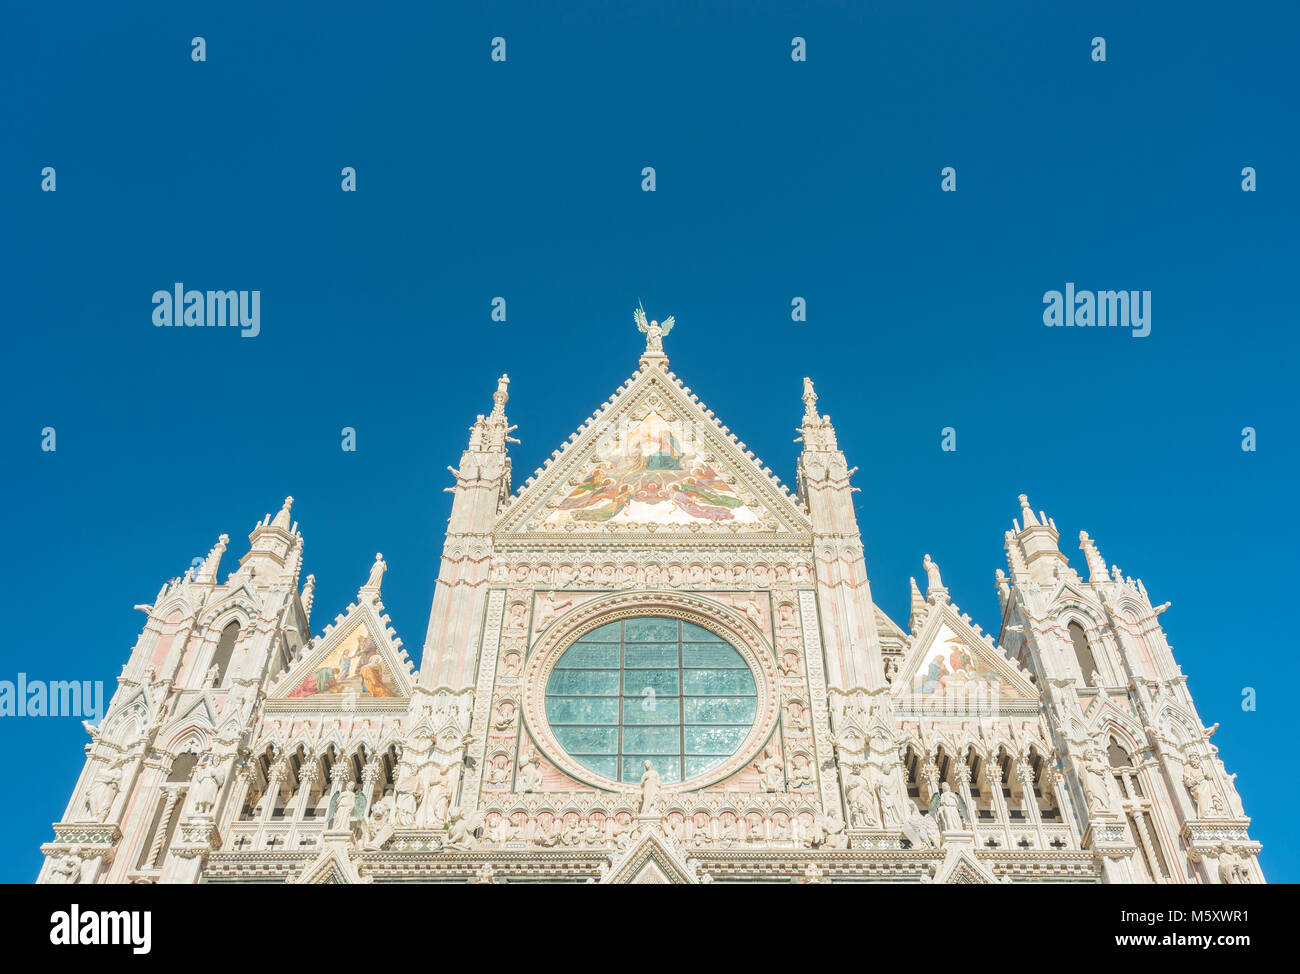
{"x": 653, "y": 662}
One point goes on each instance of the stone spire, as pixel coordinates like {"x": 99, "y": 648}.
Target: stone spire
{"x": 1037, "y": 540}
{"x": 272, "y": 544}
{"x": 934, "y": 588}
{"x": 282, "y": 519}
{"x": 918, "y": 605}
{"x": 1096, "y": 563}
{"x": 494, "y": 432}
{"x": 1027, "y": 512}
{"x": 208, "y": 570}
{"x": 853, "y": 651}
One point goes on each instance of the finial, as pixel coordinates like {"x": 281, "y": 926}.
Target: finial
{"x": 208, "y": 570}
{"x": 1030, "y": 521}
{"x": 809, "y": 402}
{"x": 282, "y": 519}
{"x": 501, "y": 396}
{"x": 1096, "y": 563}
{"x": 654, "y": 335}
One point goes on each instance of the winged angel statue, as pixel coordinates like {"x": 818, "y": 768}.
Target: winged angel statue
{"x": 653, "y": 331}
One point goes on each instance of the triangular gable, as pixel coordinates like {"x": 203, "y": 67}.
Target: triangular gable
{"x": 949, "y": 659}
{"x": 650, "y": 861}
{"x": 332, "y": 866}
{"x": 653, "y": 459}
{"x": 355, "y": 660}
{"x": 202, "y": 713}
{"x": 960, "y": 867}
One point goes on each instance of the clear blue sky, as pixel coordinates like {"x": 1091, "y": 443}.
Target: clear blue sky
{"x": 775, "y": 179}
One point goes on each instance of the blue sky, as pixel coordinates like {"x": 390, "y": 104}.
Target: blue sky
{"x": 775, "y": 179}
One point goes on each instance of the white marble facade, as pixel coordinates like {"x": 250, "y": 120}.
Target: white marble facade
{"x": 654, "y": 663}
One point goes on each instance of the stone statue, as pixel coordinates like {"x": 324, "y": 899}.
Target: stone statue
{"x": 770, "y": 772}
{"x": 1198, "y": 786}
{"x": 207, "y": 784}
{"x": 103, "y": 792}
{"x": 340, "y": 810}
{"x": 934, "y": 582}
{"x": 210, "y": 680}
{"x": 653, "y": 331}
{"x": 949, "y": 812}
{"x": 379, "y": 825}
{"x": 650, "y": 788}
{"x": 1095, "y": 779}
{"x": 1232, "y": 868}
{"x": 530, "y": 774}
{"x": 460, "y": 833}
{"x": 861, "y": 797}
{"x": 376, "y": 572}
{"x": 829, "y": 832}
{"x": 548, "y": 609}
{"x": 67, "y": 869}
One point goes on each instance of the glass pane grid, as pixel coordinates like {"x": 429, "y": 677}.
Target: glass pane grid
{"x": 682, "y": 697}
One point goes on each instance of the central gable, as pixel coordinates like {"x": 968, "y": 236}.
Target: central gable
{"x": 653, "y": 459}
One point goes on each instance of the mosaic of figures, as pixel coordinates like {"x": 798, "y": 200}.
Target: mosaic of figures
{"x": 355, "y": 666}
{"x": 652, "y": 475}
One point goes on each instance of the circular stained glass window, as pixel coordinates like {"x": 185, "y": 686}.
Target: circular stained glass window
{"x": 651, "y": 689}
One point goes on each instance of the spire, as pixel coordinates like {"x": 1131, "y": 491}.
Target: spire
{"x": 1037, "y": 540}
{"x": 817, "y": 434}
{"x": 1096, "y": 563}
{"x": 918, "y": 605}
{"x": 282, "y": 519}
{"x": 208, "y": 570}
{"x": 1027, "y": 513}
{"x": 272, "y": 545}
{"x": 810, "y": 417}
{"x": 308, "y": 596}
{"x": 494, "y": 432}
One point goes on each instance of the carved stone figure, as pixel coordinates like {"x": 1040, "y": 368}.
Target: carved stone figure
{"x": 103, "y": 792}
{"x": 547, "y": 609}
{"x": 649, "y": 790}
{"x": 949, "y": 813}
{"x": 770, "y": 772}
{"x": 1232, "y": 868}
{"x": 1198, "y": 786}
{"x": 340, "y": 810}
{"x": 861, "y": 797}
{"x": 934, "y": 582}
{"x": 530, "y": 774}
{"x": 653, "y": 331}
{"x": 377, "y": 572}
{"x": 1095, "y": 779}
{"x": 460, "y": 834}
{"x": 207, "y": 784}
{"x": 67, "y": 869}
